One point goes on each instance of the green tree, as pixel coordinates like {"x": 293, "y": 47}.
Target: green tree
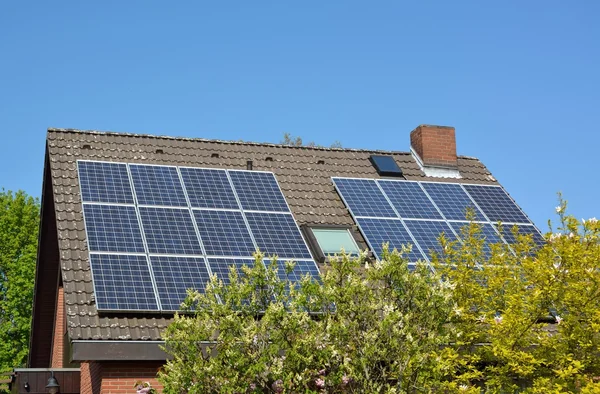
{"x": 19, "y": 222}
{"x": 494, "y": 319}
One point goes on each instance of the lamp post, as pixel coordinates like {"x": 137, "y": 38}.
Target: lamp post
{"x": 52, "y": 385}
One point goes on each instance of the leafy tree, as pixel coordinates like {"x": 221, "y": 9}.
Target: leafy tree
{"x": 485, "y": 319}
{"x": 19, "y": 221}
{"x": 290, "y": 140}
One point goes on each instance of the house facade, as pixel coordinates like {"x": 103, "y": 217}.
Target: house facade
{"x": 113, "y": 349}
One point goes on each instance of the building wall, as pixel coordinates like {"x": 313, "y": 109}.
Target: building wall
{"x": 59, "y": 331}
{"x": 117, "y": 377}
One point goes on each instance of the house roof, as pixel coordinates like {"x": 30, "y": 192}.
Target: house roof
{"x": 304, "y": 174}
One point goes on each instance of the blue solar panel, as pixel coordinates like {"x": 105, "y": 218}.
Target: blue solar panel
{"x": 122, "y": 282}
{"x": 174, "y": 275}
{"x": 427, "y": 233}
{"x": 258, "y": 191}
{"x": 157, "y": 185}
{"x": 452, "y": 200}
{"x": 496, "y": 204}
{"x": 487, "y": 232}
{"x": 112, "y": 228}
{"x": 380, "y": 231}
{"x": 409, "y": 200}
{"x": 277, "y": 234}
{"x": 220, "y": 266}
{"x": 169, "y": 230}
{"x": 104, "y": 182}
{"x": 208, "y": 188}
{"x": 301, "y": 268}
{"x": 224, "y": 233}
{"x": 507, "y": 234}
{"x": 364, "y": 198}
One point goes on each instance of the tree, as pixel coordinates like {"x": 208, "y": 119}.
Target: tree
{"x": 290, "y": 140}
{"x": 498, "y": 320}
{"x": 19, "y": 221}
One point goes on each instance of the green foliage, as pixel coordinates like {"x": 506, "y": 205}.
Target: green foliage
{"x": 19, "y": 221}
{"x": 290, "y": 140}
{"x": 502, "y": 322}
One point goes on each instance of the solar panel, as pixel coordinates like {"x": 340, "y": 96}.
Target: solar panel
{"x": 174, "y": 275}
{"x": 112, "y": 228}
{"x": 507, "y": 234}
{"x": 409, "y": 200}
{"x": 452, "y": 200}
{"x": 157, "y": 185}
{"x": 380, "y": 231}
{"x": 496, "y": 204}
{"x": 220, "y": 266}
{"x": 122, "y": 282}
{"x": 427, "y": 234}
{"x": 169, "y": 231}
{"x": 208, "y": 188}
{"x": 488, "y": 232}
{"x": 224, "y": 233}
{"x": 104, "y": 182}
{"x": 277, "y": 234}
{"x": 364, "y": 198}
{"x": 301, "y": 268}
{"x": 258, "y": 191}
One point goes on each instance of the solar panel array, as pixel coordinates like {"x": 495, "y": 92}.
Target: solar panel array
{"x": 155, "y": 231}
{"x": 402, "y": 212}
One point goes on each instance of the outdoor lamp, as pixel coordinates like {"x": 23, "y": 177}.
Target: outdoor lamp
{"x": 52, "y": 385}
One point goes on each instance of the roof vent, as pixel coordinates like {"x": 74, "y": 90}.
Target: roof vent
{"x": 269, "y": 158}
{"x": 385, "y": 165}
{"x": 215, "y": 155}
{"x": 321, "y": 162}
{"x": 86, "y": 146}
{"x": 249, "y": 165}
{"x": 160, "y": 151}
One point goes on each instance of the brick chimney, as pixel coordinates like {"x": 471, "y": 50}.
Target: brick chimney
{"x": 435, "y": 145}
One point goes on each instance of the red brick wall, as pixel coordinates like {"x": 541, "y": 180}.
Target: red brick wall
{"x": 435, "y": 145}
{"x": 59, "y": 331}
{"x": 117, "y": 377}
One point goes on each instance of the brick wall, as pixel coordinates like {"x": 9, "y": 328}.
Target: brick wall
{"x": 435, "y": 145}
{"x": 59, "y": 331}
{"x": 117, "y": 377}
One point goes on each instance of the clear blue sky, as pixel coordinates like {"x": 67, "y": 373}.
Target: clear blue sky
{"x": 518, "y": 79}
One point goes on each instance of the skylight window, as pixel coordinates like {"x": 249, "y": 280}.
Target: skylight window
{"x": 332, "y": 241}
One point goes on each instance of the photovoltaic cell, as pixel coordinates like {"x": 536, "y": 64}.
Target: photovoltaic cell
{"x": 104, "y": 182}
{"x": 409, "y": 200}
{"x": 427, "y": 233}
{"x": 174, "y": 275}
{"x": 157, "y": 185}
{"x": 364, "y": 198}
{"x": 208, "y": 188}
{"x": 112, "y": 228}
{"x": 507, "y": 234}
{"x": 487, "y": 232}
{"x": 496, "y": 204}
{"x": 452, "y": 200}
{"x": 277, "y": 234}
{"x": 301, "y": 268}
{"x": 224, "y": 233}
{"x": 258, "y": 191}
{"x": 380, "y": 231}
{"x": 122, "y": 282}
{"x": 169, "y": 231}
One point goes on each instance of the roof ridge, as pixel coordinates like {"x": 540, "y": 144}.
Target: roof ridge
{"x": 240, "y": 142}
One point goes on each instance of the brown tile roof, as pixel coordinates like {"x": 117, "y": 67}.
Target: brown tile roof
{"x": 305, "y": 183}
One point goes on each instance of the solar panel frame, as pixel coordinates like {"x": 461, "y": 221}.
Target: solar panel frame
{"x": 174, "y": 275}
{"x": 139, "y": 280}
{"x": 174, "y": 221}
{"x": 409, "y": 199}
{"x": 105, "y": 229}
{"x": 247, "y": 191}
{"x": 233, "y": 237}
{"x": 120, "y": 192}
{"x": 301, "y": 268}
{"x": 510, "y": 239}
{"x": 487, "y": 230}
{"x": 354, "y": 194}
{"x": 157, "y": 185}
{"x": 421, "y": 231}
{"x": 271, "y": 243}
{"x": 196, "y": 180}
{"x": 489, "y": 205}
{"x": 220, "y": 266}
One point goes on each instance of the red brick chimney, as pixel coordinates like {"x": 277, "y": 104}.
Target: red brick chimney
{"x": 435, "y": 145}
